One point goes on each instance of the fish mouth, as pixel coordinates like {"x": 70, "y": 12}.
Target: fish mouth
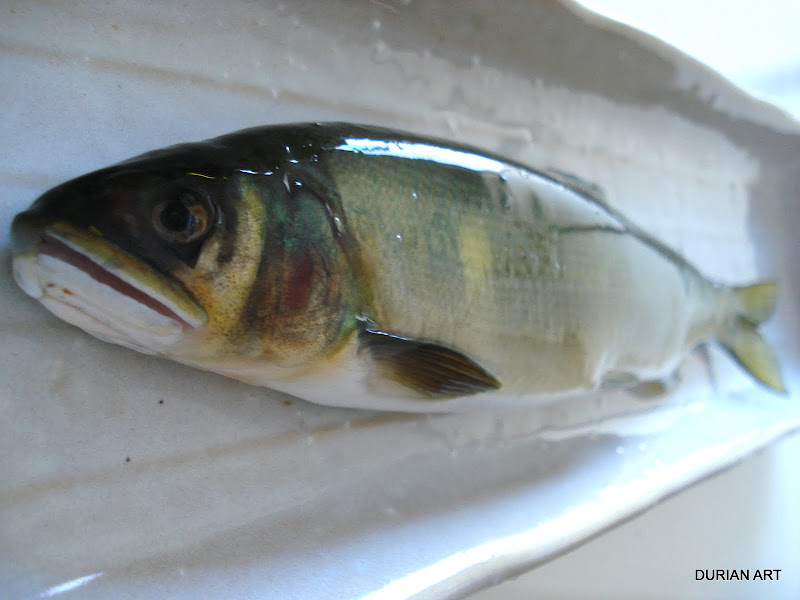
{"x": 89, "y": 282}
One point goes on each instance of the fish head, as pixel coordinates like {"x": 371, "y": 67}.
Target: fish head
{"x": 185, "y": 253}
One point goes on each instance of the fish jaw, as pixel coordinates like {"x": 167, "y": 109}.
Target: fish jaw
{"x": 108, "y": 293}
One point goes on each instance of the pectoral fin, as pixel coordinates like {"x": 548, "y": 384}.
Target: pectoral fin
{"x": 430, "y": 369}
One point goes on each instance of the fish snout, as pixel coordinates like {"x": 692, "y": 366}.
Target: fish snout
{"x": 26, "y": 230}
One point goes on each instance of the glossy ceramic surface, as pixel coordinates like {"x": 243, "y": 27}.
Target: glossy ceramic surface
{"x": 124, "y": 475}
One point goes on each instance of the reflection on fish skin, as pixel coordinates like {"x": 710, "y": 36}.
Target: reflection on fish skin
{"x": 358, "y": 266}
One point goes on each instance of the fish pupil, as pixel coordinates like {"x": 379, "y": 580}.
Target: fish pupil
{"x": 182, "y": 219}
{"x": 177, "y": 217}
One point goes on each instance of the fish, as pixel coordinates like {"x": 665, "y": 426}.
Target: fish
{"x": 358, "y": 266}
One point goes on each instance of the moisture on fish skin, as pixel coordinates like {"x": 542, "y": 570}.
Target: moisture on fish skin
{"x": 358, "y": 266}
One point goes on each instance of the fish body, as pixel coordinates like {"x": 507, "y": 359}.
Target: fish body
{"x": 358, "y": 266}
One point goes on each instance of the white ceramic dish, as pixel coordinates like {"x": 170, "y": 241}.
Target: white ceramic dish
{"x": 128, "y": 476}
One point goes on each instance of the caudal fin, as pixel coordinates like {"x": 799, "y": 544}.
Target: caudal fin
{"x": 755, "y": 305}
{"x": 756, "y": 302}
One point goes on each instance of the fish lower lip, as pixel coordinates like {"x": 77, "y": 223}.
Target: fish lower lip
{"x": 54, "y": 247}
{"x": 25, "y": 276}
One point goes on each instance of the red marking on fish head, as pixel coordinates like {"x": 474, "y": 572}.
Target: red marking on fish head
{"x": 300, "y": 280}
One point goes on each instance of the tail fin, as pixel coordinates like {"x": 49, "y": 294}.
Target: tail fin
{"x": 755, "y": 304}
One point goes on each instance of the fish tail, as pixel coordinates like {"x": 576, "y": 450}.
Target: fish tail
{"x": 754, "y": 305}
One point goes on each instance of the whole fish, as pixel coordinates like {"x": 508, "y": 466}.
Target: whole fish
{"x": 357, "y": 266}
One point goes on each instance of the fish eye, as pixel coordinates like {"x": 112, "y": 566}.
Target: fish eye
{"x": 181, "y": 219}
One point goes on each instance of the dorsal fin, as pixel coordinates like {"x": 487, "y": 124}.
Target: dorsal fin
{"x": 580, "y": 185}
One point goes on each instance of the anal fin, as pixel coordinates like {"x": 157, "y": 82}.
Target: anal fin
{"x": 648, "y": 389}
{"x": 655, "y": 388}
{"x": 432, "y": 370}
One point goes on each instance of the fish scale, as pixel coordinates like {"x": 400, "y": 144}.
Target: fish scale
{"x": 563, "y": 285}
